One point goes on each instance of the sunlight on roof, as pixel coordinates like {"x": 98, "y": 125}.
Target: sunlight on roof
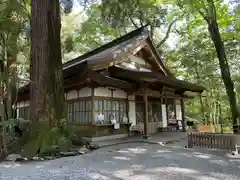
{"x": 132, "y": 65}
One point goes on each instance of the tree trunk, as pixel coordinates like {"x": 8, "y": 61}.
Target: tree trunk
{"x": 200, "y": 95}
{"x": 225, "y": 72}
{"x": 47, "y": 93}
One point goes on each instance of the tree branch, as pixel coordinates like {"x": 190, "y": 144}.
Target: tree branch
{"x": 167, "y": 34}
{"x": 151, "y": 29}
{"x": 212, "y": 9}
{"x": 203, "y": 15}
{"x": 132, "y": 21}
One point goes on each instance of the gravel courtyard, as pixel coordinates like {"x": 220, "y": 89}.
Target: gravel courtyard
{"x": 135, "y": 161}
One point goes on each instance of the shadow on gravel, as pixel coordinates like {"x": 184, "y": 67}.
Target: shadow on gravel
{"x": 140, "y": 161}
{"x": 146, "y": 161}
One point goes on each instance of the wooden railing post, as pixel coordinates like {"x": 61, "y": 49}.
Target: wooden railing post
{"x": 190, "y": 141}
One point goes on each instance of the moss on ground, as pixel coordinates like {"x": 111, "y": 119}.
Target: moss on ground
{"x": 46, "y": 141}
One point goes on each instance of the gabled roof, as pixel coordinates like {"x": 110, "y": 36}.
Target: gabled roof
{"x": 109, "y": 48}
{"x": 118, "y": 47}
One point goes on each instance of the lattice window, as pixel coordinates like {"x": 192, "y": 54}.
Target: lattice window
{"x": 157, "y": 111}
{"x": 23, "y": 112}
{"x": 79, "y": 111}
{"x": 111, "y": 109}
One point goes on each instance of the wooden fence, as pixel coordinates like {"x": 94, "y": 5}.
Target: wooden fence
{"x": 211, "y": 140}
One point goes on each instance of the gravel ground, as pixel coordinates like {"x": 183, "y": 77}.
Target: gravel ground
{"x": 135, "y": 161}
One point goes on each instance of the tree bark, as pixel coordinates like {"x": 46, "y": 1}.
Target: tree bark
{"x": 225, "y": 72}
{"x": 46, "y": 89}
{"x": 200, "y": 95}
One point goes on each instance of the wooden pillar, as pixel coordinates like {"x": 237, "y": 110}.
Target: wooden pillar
{"x": 183, "y": 114}
{"x": 161, "y": 94}
{"x": 127, "y": 108}
{"x": 161, "y": 101}
{"x": 166, "y": 104}
{"x": 92, "y": 105}
{"x": 145, "y": 113}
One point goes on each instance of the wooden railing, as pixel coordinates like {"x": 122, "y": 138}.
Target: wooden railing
{"x": 215, "y": 141}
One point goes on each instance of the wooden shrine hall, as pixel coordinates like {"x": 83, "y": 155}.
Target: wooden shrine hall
{"x": 120, "y": 86}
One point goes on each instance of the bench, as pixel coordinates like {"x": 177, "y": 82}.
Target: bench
{"x": 139, "y": 128}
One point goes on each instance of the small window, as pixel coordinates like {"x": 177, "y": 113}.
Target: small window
{"x": 23, "y": 112}
{"x": 79, "y": 111}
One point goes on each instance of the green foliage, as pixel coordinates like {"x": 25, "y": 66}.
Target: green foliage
{"x": 198, "y": 58}
{"x": 65, "y": 129}
{"x": 136, "y": 12}
{"x": 57, "y": 137}
{"x": 192, "y": 56}
{"x": 50, "y": 140}
{"x": 9, "y": 123}
{"x": 94, "y": 32}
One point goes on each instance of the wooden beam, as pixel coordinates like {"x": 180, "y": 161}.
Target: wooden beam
{"x": 146, "y": 112}
{"x": 156, "y": 61}
{"x": 166, "y": 104}
{"x": 127, "y": 107}
{"x": 108, "y": 81}
{"x": 161, "y": 100}
{"x": 92, "y": 105}
{"x": 183, "y": 114}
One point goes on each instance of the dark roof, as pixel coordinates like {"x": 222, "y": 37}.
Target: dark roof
{"x": 114, "y": 49}
{"x": 108, "y": 50}
{"x": 168, "y": 81}
{"x": 86, "y": 72}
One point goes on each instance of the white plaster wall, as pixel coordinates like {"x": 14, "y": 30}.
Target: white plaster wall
{"x": 132, "y": 109}
{"x": 102, "y": 91}
{"x": 118, "y": 93}
{"x": 73, "y": 94}
{"x": 23, "y": 104}
{"x": 17, "y": 113}
{"x": 132, "y": 112}
{"x": 178, "y": 101}
{"x": 178, "y": 112}
{"x": 106, "y": 92}
{"x": 131, "y": 97}
{"x": 85, "y": 92}
{"x": 164, "y": 115}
